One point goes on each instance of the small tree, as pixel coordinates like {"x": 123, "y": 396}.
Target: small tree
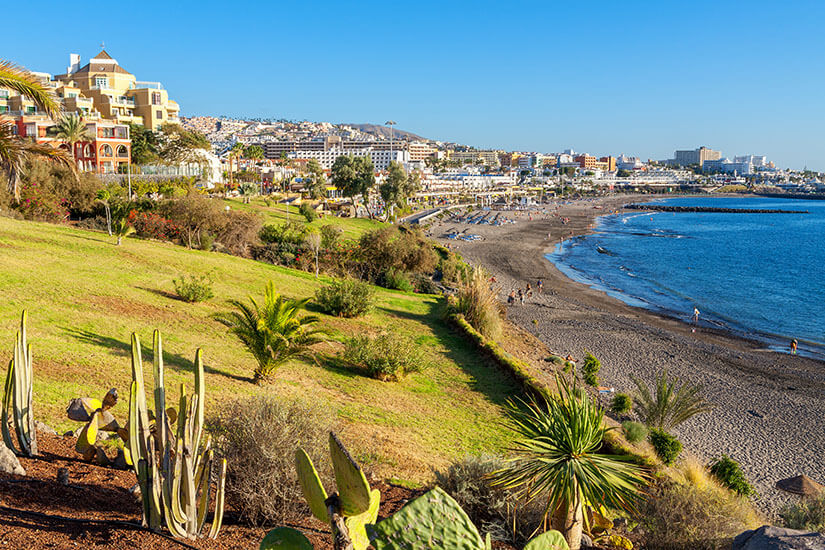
{"x": 669, "y": 406}
{"x": 313, "y": 242}
{"x": 590, "y": 369}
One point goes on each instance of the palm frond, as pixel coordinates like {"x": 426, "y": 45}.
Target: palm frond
{"x": 669, "y": 406}
{"x": 22, "y": 81}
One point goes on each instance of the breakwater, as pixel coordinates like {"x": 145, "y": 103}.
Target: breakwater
{"x": 710, "y": 209}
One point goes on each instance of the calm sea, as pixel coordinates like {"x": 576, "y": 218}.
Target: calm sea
{"x": 761, "y": 275}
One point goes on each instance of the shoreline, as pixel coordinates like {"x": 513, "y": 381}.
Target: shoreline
{"x": 768, "y": 405}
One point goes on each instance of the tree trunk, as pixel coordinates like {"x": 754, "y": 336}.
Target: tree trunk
{"x": 568, "y": 519}
{"x": 119, "y": 238}
{"x": 340, "y": 535}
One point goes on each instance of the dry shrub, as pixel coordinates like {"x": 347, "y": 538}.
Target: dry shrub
{"x": 237, "y": 231}
{"x": 807, "y": 514}
{"x": 693, "y": 512}
{"x": 258, "y": 437}
{"x": 494, "y": 510}
{"x": 479, "y": 304}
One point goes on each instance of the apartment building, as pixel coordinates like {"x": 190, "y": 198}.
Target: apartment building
{"x": 417, "y": 151}
{"x": 489, "y": 158}
{"x": 107, "y": 151}
{"x": 104, "y": 87}
{"x": 380, "y": 158}
{"x": 727, "y": 166}
{"x": 696, "y": 156}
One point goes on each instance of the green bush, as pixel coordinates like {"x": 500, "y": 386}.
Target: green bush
{"x": 634, "y": 432}
{"x": 621, "y": 404}
{"x": 424, "y": 284}
{"x": 330, "y": 235}
{"x": 287, "y": 232}
{"x": 345, "y": 298}
{"x": 590, "y": 369}
{"x": 194, "y": 288}
{"x": 667, "y": 447}
{"x": 308, "y": 212}
{"x": 386, "y": 357}
{"x": 807, "y": 514}
{"x": 390, "y": 248}
{"x": 730, "y": 474}
{"x": 397, "y": 280}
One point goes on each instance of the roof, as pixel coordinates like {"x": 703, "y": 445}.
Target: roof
{"x": 103, "y": 55}
{"x": 800, "y": 485}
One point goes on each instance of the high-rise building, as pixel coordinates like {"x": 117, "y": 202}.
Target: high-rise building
{"x": 696, "y": 156}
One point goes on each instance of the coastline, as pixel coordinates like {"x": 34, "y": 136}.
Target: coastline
{"x": 768, "y": 405}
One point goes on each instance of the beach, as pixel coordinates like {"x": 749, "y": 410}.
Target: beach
{"x": 768, "y": 407}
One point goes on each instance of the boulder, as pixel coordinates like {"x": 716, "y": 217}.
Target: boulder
{"x": 44, "y": 428}
{"x": 9, "y": 463}
{"x": 769, "y": 537}
{"x": 587, "y": 542}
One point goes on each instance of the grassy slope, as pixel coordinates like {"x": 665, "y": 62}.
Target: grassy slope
{"x": 277, "y": 213}
{"x": 85, "y": 296}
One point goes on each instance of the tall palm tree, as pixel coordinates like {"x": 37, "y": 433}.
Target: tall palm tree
{"x": 70, "y": 130}
{"x": 272, "y": 332}
{"x": 14, "y": 150}
{"x": 556, "y": 456}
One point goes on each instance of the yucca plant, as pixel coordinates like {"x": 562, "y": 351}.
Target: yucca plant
{"x": 18, "y": 397}
{"x": 556, "y": 456}
{"x": 669, "y": 406}
{"x": 273, "y": 332}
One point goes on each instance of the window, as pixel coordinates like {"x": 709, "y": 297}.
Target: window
{"x": 3, "y": 109}
{"x": 87, "y": 151}
{"x": 159, "y": 115}
{"x": 101, "y": 82}
{"x": 122, "y": 152}
{"x": 155, "y": 98}
{"x": 29, "y": 109}
{"x": 106, "y": 151}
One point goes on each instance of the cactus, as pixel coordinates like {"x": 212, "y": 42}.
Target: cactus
{"x": 95, "y": 413}
{"x": 350, "y": 509}
{"x": 174, "y": 470}
{"x": 550, "y": 540}
{"x": 285, "y": 538}
{"x": 18, "y": 397}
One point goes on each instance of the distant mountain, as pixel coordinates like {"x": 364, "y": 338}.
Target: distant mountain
{"x": 384, "y": 132}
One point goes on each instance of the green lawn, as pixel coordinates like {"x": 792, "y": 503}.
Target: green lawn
{"x": 277, "y": 213}
{"x": 85, "y": 296}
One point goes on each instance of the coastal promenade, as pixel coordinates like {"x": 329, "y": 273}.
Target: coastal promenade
{"x": 768, "y": 407}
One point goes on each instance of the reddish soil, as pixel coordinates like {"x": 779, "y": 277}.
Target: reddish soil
{"x": 96, "y": 509}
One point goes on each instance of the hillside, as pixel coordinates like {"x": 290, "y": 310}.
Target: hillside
{"x": 85, "y": 296}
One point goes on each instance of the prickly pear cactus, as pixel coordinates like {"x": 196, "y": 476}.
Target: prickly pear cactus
{"x": 285, "y": 538}
{"x": 619, "y": 541}
{"x": 356, "y": 525}
{"x": 313, "y": 490}
{"x": 433, "y": 520}
{"x": 353, "y": 488}
{"x": 549, "y": 540}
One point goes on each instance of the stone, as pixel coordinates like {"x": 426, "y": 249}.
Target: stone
{"x": 44, "y": 428}
{"x": 9, "y": 463}
{"x": 769, "y": 537}
{"x": 587, "y": 542}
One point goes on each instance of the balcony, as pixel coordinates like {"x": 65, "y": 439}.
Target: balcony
{"x": 145, "y": 84}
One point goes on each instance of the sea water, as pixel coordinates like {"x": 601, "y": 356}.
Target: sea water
{"x": 761, "y": 275}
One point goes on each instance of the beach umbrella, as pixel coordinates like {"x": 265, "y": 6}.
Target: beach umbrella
{"x": 800, "y": 485}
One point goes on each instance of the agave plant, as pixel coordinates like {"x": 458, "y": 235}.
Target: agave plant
{"x": 556, "y": 456}
{"x": 17, "y": 397}
{"x": 273, "y": 332}
{"x": 669, "y": 406}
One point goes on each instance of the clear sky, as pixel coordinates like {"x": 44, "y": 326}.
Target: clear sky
{"x": 641, "y": 78}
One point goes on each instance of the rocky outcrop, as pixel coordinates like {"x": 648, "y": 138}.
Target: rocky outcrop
{"x": 768, "y": 537}
{"x": 9, "y": 463}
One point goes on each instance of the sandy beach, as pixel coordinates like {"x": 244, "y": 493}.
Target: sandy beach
{"x": 769, "y": 407}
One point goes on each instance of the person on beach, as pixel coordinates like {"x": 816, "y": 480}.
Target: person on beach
{"x": 539, "y": 286}
{"x": 695, "y": 315}
{"x": 529, "y": 291}
{"x": 521, "y": 296}
{"x": 794, "y": 343}
{"x": 511, "y": 298}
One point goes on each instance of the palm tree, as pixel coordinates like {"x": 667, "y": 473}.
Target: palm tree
{"x": 235, "y": 152}
{"x": 273, "y": 333}
{"x": 14, "y": 150}
{"x": 670, "y": 406}
{"x": 556, "y": 457}
{"x": 70, "y": 130}
{"x": 122, "y": 228}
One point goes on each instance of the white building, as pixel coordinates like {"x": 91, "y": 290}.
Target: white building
{"x": 623, "y": 162}
{"x": 380, "y": 159}
{"x": 758, "y": 161}
{"x": 728, "y": 166}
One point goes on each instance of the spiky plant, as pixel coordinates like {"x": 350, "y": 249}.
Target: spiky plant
{"x": 273, "y": 332}
{"x": 556, "y": 456}
{"x": 70, "y": 130}
{"x": 122, "y": 228}
{"x": 669, "y": 406}
{"x": 15, "y": 151}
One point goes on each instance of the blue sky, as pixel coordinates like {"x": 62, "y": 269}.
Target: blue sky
{"x": 641, "y": 78}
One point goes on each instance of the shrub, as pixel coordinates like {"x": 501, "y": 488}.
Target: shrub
{"x": 236, "y": 231}
{"x": 590, "y": 369}
{"x": 452, "y": 268}
{"x": 687, "y": 516}
{"x": 390, "y": 248}
{"x": 424, "y": 284}
{"x": 621, "y": 404}
{"x": 728, "y": 472}
{"x": 287, "y": 232}
{"x": 397, "y": 280}
{"x": 634, "y": 432}
{"x": 192, "y": 214}
{"x": 479, "y": 304}
{"x": 345, "y": 298}
{"x": 330, "y": 235}
{"x": 308, "y": 212}
{"x": 153, "y": 226}
{"x": 276, "y": 253}
{"x": 194, "y": 288}
{"x": 494, "y": 510}
{"x": 258, "y": 436}
{"x": 807, "y": 514}
{"x": 386, "y": 357}
{"x": 670, "y": 406}
{"x": 667, "y": 447}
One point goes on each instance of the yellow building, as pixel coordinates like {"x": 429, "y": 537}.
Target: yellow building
{"x": 104, "y": 86}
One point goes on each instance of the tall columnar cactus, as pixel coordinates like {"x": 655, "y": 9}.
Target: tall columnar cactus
{"x": 173, "y": 465}
{"x": 350, "y": 509}
{"x": 18, "y": 396}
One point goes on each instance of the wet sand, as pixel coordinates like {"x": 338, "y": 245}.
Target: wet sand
{"x": 769, "y": 407}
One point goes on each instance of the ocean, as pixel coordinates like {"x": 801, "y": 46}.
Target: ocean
{"x": 759, "y": 275}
